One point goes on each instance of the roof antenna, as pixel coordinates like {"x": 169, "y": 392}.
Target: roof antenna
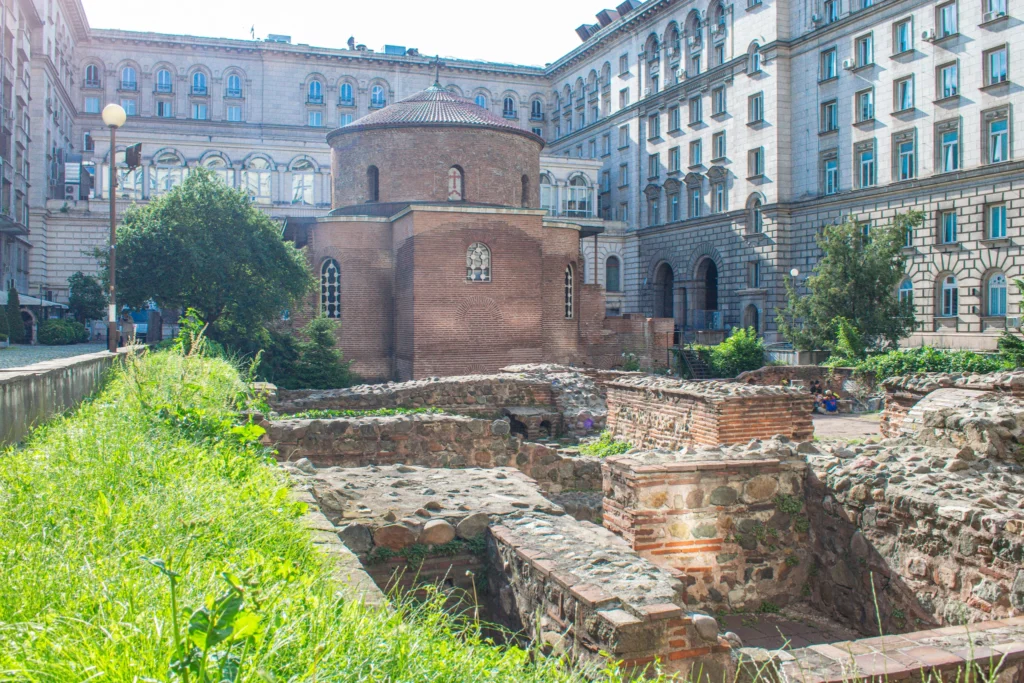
{"x": 437, "y": 70}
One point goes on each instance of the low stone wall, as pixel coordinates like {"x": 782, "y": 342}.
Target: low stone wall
{"x": 429, "y": 440}
{"x": 579, "y": 589}
{"x": 659, "y": 412}
{"x": 839, "y": 380}
{"x": 730, "y": 520}
{"x": 32, "y": 394}
{"x": 902, "y": 393}
{"x": 939, "y": 530}
{"x": 468, "y": 394}
{"x": 987, "y": 651}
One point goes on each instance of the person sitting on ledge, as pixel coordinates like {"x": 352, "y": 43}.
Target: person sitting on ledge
{"x": 831, "y": 403}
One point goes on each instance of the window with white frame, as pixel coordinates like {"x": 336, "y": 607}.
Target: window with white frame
{"x": 865, "y": 50}
{"x": 346, "y": 119}
{"x": 199, "y": 111}
{"x": 219, "y": 167}
{"x": 315, "y": 118}
{"x": 996, "y": 219}
{"x": 673, "y": 207}
{"x": 947, "y": 226}
{"x": 994, "y": 9}
{"x": 330, "y": 289}
{"x": 720, "y": 197}
{"x": 945, "y": 20}
{"x": 949, "y": 146}
{"x": 674, "y": 163}
{"x": 164, "y": 81}
{"x": 606, "y": 144}
{"x": 199, "y": 83}
{"x": 653, "y": 126}
{"x": 673, "y": 119}
{"x": 129, "y": 79}
{"x": 623, "y": 175}
{"x": 998, "y": 139}
{"x": 996, "y": 66}
{"x": 906, "y": 292}
{"x": 303, "y": 177}
{"x": 829, "y": 116}
{"x": 256, "y": 180}
{"x": 865, "y": 105}
{"x": 755, "y": 108}
{"x": 718, "y": 101}
{"x": 906, "y": 157}
{"x": 696, "y": 153}
{"x": 509, "y": 109}
{"x": 165, "y": 109}
{"x": 653, "y": 211}
{"x": 653, "y": 165}
{"x": 233, "y": 112}
{"x": 92, "y": 105}
{"x": 948, "y": 84}
{"x": 696, "y": 202}
{"x": 756, "y": 217}
{"x": 903, "y": 94}
{"x": 129, "y": 104}
{"x": 478, "y": 263}
{"x": 623, "y": 136}
{"x": 168, "y": 172}
{"x": 828, "y": 67}
{"x": 696, "y": 115}
{"x": 234, "y": 86}
{"x": 755, "y": 162}
{"x": 830, "y": 173}
{"x": 949, "y": 298}
{"x": 92, "y": 77}
{"x": 755, "y": 59}
{"x": 866, "y": 169}
{"x": 996, "y": 296}
{"x": 903, "y": 36}
{"x": 537, "y": 111}
{"x": 718, "y": 148}
{"x": 378, "y": 99}
{"x": 623, "y": 64}
{"x": 831, "y": 8}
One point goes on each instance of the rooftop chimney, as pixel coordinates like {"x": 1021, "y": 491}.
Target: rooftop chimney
{"x": 607, "y": 16}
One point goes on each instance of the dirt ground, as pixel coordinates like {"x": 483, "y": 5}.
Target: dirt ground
{"x": 846, "y": 427}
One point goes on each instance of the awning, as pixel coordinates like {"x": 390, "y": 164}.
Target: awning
{"x": 27, "y": 300}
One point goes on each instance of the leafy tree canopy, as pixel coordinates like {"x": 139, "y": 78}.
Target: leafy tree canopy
{"x": 15, "y": 326}
{"x": 86, "y": 298}
{"x": 205, "y": 246}
{"x": 852, "y": 291}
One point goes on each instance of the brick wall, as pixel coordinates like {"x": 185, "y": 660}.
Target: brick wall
{"x": 835, "y": 379}
{"x": 716, "y": 520}
{"x": 665, "y": 413}
{"x": 413, "y": 164}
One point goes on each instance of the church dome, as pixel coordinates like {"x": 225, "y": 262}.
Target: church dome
{"x": 434, "y": 106}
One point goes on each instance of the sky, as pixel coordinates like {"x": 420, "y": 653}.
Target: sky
{"x": 534, "y": 32}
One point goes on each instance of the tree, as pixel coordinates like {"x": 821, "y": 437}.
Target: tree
{"x": 85, "y": 297}
{"x": 318, "y": 365}
{"x": 205, "y": 246}
{"x": 4, "y": 328}
{"x": 15, "y": 326}
{"x": 856, "y": 279}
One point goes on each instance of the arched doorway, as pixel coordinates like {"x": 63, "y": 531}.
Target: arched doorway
{"x": 707, "y": 276}
{"x": 752, "y": 318}
{"x": 664, "y": 292}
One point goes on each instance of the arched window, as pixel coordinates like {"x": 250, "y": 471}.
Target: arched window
{"x": 234, "y": 88}
{"x": 536, "y": 110}
{"x": 455, "y": 184}
{"x": 481, "y": 101}
{"x": 569, "y": 284}
{"x": 578, "y": 198}
{"x": 478, "y": 263}
{"x": 996, "y": 295}
{"x": 303, "y": 176}
{"x": 92, "y": 76}
{"x": 906, "y": 291}
{"x": 346, "y": 94}
{"x": 128, "y": 79}
{"x": 548, "y": 195}
{"x": 756, "y": 217}
{"x": 256, "y": 180}
{"x": 219, "y": 166}
{"x": 315, "y": 92}
{"x": 199, "y": 83}
{"x": 612, "y": 279}
{"x": 377, "y": 98}
{"x": 164, "y": 81}
{"x": 755, "y": 58}
{"x": 330, "y": 289}
{"x": 372, "y": 184}
{"x": 167, "y": 173}
{"x": 524, "y": 191}
{"x": 508, "y": 108}
{"x": 949, "y": 295}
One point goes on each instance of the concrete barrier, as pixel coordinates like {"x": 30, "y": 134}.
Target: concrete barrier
{"x": 31, "y": 394}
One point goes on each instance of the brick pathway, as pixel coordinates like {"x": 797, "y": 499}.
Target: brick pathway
{"x": 18, "y": 355}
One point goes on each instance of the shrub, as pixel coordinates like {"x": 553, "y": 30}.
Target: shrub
{"x": 61, "y": 332}
{"x": 741, "y": 352}
{"x": 926, "y": 359}
{"x": 318, "y": 365}
{"x": 604, "y": 446}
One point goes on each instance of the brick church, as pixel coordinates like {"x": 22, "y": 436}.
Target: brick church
{"x": 437, "y": 258}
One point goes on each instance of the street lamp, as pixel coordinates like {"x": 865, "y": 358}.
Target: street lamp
{"x": 794, "y": 272}
{"x": 114, "y": 117}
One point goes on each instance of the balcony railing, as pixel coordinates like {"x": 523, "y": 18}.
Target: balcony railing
{"x": 510, "y": 114}
{"x": 92, "y": 83}
{"x": 537, "y": 116}
{"x": 164, "y": 87}
{"x": 349, "y": 102}
{"x": 130, "y": 86}
{"x": 199, "y": 90}
{"x": 314, "y": 99}
{"x": 234, "y": 93}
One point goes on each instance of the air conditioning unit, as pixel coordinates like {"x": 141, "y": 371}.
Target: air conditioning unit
{"x": 691, "y": 41}
{"x": 928, "y": 35}
{"x": 992, "y": 16}
{"x": 815, "y": 17}
{"x": 71, "y": 193}
{"x": 848, "y": 64}
{"x": 1012, "y": 322}
{"x": 715, "y": 28}
{"x": 681, "y": 73}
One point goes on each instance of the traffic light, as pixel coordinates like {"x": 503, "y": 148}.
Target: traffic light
{"x": 133, "y": 155}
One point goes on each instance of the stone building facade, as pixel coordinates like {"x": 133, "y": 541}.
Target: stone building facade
{"x": 707, "y": 141}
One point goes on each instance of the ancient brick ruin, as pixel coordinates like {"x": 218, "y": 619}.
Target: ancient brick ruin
{"x": 928, "y": 525}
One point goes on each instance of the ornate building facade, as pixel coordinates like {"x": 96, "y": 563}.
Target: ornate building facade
{"x": 707, "y": 141}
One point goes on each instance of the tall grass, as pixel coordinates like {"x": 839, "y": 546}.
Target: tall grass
{"x": 155, "y": 467}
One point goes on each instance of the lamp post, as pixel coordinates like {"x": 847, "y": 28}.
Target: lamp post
{"x": 113, "y": 117}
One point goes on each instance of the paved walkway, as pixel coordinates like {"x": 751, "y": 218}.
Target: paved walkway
{"x": 795, "y": 627}
{"x": 846, "y": 427}
{"x": 19, "y": 355}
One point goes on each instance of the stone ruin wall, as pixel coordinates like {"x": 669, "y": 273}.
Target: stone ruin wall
{"x": 667, "y": 413}
{"x": 839, "y": 380}
{"x": 729, "y": 521}
{"x": 902, "y": 393}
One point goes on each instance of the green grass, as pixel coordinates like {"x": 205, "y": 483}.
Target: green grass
{"x": 157, "y": 466}
{"x": 379, "y": 412}
{"x": 604, "y": 446}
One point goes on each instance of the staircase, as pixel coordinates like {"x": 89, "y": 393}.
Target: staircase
{"x": 697, "y": 367}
